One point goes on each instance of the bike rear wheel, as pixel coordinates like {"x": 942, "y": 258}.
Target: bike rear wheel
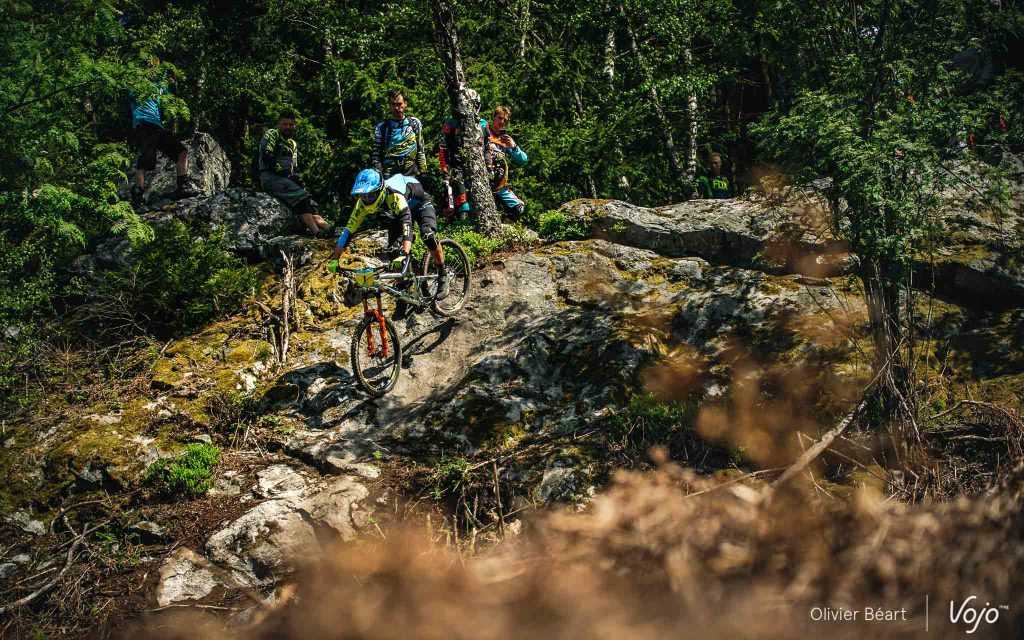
{"x": 460, "y": 277}
{"x": 376, "y": 368}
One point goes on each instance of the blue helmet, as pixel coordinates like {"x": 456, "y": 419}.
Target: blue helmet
{"x": 368, "y": 181}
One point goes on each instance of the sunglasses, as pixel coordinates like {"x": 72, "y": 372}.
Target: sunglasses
{"x": 369, "y": 198}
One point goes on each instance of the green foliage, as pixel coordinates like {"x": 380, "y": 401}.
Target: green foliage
{"x": 554, "y": 226}
{"x": 181, "y": 280}
{"x": 189, "y": 475}
{"x": 448, "y": 474}
{"x": 647, "y": 421}
{"x": 478, "y": 248}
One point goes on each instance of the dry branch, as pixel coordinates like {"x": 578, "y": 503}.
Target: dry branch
{"x": 817, "y": 448}
{"x": 30, "y": 598}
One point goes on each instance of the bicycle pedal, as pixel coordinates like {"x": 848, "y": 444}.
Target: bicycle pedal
{"x": 406, "y": 362}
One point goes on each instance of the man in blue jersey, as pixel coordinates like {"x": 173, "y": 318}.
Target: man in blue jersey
{"x": 151, "y": 136}
{"x": 398, "y": 141}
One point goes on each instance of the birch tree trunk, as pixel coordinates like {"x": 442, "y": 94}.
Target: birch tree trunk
{"x": 691, "y": 123}
{"x": 329, "y": 55}
{"x": 487, "y": 220}
{"x": 675, "y": 165}
{"x": 580, "y": 114}
{"x": 609, "y": 76}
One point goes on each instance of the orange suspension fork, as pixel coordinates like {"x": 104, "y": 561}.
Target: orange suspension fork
{"x": 369, "y": 329}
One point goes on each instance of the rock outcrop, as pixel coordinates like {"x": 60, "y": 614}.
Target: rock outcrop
{"x": 258, "y": 546}
{"x": 208, "y": 169}
{"x": 978, "y": 259}
{"x": 254, "y": 224}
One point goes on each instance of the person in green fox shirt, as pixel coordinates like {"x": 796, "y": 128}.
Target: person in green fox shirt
{"x": 716, "y": 186}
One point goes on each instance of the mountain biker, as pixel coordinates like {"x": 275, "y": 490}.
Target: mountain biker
{"x": 150, "y": 135}
{"x": 499, "y": 145}
{"x": 398, "y": 141}
{"x": 278, "y": 161}
{"x": 375, "y": 197}
{"x": 422, "y": 206}
{"x": 451, "y": 162}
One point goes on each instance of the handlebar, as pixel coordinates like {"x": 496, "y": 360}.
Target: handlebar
{"x": 380, "y": 271}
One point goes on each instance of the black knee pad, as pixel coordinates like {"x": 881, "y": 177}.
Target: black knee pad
{"x": 517, "y": 211}
{"x": 430, "y": 240}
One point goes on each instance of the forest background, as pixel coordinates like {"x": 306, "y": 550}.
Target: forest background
{"x": 610, "y": 99}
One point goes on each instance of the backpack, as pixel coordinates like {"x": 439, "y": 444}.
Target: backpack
{"x": 385, "y": 138}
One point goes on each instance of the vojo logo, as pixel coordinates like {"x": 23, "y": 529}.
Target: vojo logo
{"x": 971, "y": 617}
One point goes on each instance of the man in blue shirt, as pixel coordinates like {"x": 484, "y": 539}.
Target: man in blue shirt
{"x": 151, "y": 136}
{"x": 398, "y": 141}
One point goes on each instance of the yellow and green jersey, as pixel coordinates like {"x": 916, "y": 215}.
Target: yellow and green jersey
{"x": 390, "y": 205}
{"x": 278, "y": 154}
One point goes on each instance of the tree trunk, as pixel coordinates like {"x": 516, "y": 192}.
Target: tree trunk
{"x": 675, "y": 165}
{"x": 329, "y": 55}
{"x": 691, "y": 123}
{"x": 609, "y": 51}
{"x": 609, "y": 76}
{"x": 895, "y": 383}
{"x": 588, "y": 174}
{"x": 524, "y": 19}
{"x": 488, "y": 222}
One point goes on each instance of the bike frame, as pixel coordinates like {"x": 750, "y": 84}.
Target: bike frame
{"x": 375, "y": 313}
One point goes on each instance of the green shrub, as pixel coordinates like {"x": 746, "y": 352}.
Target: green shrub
{"x": 189, "y": 474}
{"x": 181, "y": 280}
{"x": 447, "y": 475}
{"x": 478, "y": 248}
{"x": 555, "y": 226}
{"x": 647, "y": 421}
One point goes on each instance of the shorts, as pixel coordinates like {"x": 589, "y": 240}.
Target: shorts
{"x": 151, "y": 138}
{"x": 287, "y": 191}
{"x": 508, "y": 202}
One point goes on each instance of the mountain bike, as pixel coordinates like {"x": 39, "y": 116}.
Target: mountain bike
{"x": 376, "y": 351}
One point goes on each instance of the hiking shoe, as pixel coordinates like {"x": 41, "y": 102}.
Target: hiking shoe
{"x": 442, "y": 287}
{"x": 135, "y": 193}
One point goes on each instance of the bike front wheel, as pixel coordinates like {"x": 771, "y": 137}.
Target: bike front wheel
{"x": 460, "y": 277}
{"x": 376, "y": 355}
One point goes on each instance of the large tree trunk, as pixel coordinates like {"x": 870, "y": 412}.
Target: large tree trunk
{"x": 488, "y": 222}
